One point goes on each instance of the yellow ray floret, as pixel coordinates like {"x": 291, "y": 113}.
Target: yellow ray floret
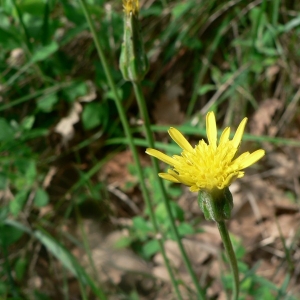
{"x": 131, "y": 6}
{"x": 208, "y": 165}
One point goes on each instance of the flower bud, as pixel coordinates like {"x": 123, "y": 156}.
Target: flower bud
{"x": 216, "y": 204}
{"x": 133, "y": 59}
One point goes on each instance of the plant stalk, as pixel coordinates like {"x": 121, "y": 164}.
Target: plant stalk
{"x": 144, "y": 112}
{"x": 231, "y": 257}
{"x": 132, "y": 147}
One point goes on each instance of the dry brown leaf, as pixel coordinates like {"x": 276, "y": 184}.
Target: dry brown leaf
{"x": 65, "y": 125}
{"x": 110, "y": 262}
{"x": 116, "y": 172}
{"x": 167, "y": 108}
{"x": 262, "y": 118}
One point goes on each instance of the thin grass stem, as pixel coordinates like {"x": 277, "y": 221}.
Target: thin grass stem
{"x": 150, "y": 140}
{"x": 231, "y": 258}
{"x": 132, "y": 147}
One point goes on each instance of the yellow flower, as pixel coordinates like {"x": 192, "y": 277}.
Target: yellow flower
{"x": 131, "y": 6}
{"x": 208, "y": 166}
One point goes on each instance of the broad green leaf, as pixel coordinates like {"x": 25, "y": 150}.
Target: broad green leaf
{"x": 123, "y": 242}
{"x": 67, "y": 260}
{"x": 3, "y": 289}
{"x": 92, "y": 115}
{"x": 141, "y": 225}
{"x": 3, "y": 181}
{"x": 8, "y": 38}
{"x": 27, "y": 168}
{"x": 75, "y": 90}
{"x": 44, "y": 52}
{"x": 9, "y": 235}
{"x": 41, "y": 198}
{"x": 46, "y": 102}
{"x": 150, "y": 248}
{"x": 206, "y": 88}
{"x": 162, "y": 215}
{"x": 6, "y": 131}
{"x": 33, "y": 7}
{"x": 181, "y": 8}
{"x": 16, "y": 205}
{"x": 185, "y": 229}
{"x": 28, "y": 122}
{"x": 20, "y": 268}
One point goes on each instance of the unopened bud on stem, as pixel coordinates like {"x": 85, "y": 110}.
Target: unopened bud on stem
{"x": 216, "y": 204}
{"x": 133, "y": 60}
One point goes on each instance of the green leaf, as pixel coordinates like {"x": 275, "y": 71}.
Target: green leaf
{"x": 20, "y": 268}
{"x": 162, "y": 215}
{"x": 150, "y": 248}
{"x": 123, "y": 242}
{"x": 46, "y": 102}
{"x": 291, "y": 24}
{"x": 92, "y": 115}
{"x": 141, "y": 225}
{"x": 67, "y": 260}
{"x": 6, "y": 131}
{"x": 8, "y": 38}
{"x": 3, "y": 181}
{"x": 41, "y": 198}
{"x": 181, "y": 8}
{"x": 33, "y": 7}
{"x": 75, "y": 90}
{"x": 62, "y": 254}
{"x": 9, "y": 235}
{"x": 28, "y": 122}
{"x": 73, "y": 13}
{"x": 16, "y": 205}
{"x": 44, "y": 52}
{"x": 173, "y": 190}
{"x": 40, "y": 296}
{"x": 206, "y": 88}
{"x": 185, "y": 229}
{"x": 3, "y": 289}
{"x": 153, "y": 10}
{"x": 27, "y": 168}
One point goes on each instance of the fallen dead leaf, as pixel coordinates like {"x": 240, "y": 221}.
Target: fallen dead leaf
{"x": 262, "y": 119}
{"x": 65, "y": 125}
{"x": 167, "y": 108}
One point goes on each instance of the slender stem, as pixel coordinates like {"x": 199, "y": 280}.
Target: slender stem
{"x": 275, "y": 11}
{"x": 132, "y": 147}
{"x": 149, "y": 137}
{"x": 231, "y": 257}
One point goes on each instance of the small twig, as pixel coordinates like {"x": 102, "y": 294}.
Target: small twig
{"x": 122, "y": 196}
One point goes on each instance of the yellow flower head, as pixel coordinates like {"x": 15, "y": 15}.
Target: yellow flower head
{"x": 131, "y": 6}
{"x": 207, "y": 166}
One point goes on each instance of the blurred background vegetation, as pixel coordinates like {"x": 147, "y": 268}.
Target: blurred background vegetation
{"x": 72, "y": 220}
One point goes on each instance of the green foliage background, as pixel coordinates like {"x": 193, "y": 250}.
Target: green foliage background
{"x": 233, "y": 54}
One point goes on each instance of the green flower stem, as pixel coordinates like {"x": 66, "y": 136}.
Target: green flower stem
{"x": 149, "y": 137}
{"x": 231, "y": 257}
{"x": 132, "y": 147}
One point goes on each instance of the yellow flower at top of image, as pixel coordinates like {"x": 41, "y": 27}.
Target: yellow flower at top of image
{"x": 208, "y": 165}
{"x": 131, "y": 6}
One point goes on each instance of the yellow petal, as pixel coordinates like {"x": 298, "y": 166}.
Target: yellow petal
{"x": 180, "y": 139}
{"x": 239, "y": 133}
{"x": 183, "y": 179}
{"x": 161, "y": 156}
{"x": 224, "y": 136}
{"x": 227, "y": 182}
{"x": 241, "y": 174}
{"x": 211, "y": 129}
{"x": 252, "y": 158}
{"x": 168, "y": 177}
{"x": 241, "y": 158}
{"x": 194, "y": 188}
